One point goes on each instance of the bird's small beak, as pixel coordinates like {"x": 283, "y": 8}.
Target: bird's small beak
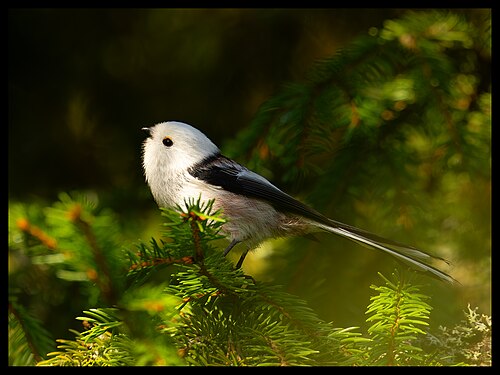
{"x": 147, "y": 131}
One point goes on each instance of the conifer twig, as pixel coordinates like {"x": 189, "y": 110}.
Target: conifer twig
{"x": 103, "y": 277}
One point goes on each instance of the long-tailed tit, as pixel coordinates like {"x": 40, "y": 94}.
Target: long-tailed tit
{"x": 180, "y": 162}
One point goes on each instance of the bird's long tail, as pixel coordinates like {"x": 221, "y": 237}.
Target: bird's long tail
{"x": 410, "y": 255}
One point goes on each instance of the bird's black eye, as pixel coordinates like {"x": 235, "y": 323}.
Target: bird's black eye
{"x": 167, "y": 141}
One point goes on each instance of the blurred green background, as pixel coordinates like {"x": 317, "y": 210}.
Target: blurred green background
{"x": 83, "y": 82}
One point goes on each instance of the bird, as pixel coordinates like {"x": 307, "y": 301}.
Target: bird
{"x": 181, "y": 162}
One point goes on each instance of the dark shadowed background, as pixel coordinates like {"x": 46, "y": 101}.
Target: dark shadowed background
{"x": 83, "y": 82}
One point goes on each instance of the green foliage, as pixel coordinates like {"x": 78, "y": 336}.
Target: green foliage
{"x": 181, "y": 302}
{"x": 397, "y": 313}
{"x": 28, "y": 339}
{"x": 396, "y": 113}
{"x": 97, "y": 346}
{"x": 391, "y": 134}
{"x": 368, "y": 96}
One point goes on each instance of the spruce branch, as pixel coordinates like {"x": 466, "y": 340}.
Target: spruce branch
{"x": 29, "y": 341}
{"x": 395, "y": 315}
{"x": 102, "y": 277}
{"x": 209, "y": 313}
{"x": 417, "y": 76}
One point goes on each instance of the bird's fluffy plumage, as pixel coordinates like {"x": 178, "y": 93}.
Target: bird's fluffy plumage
{"x": 181, "y": 162}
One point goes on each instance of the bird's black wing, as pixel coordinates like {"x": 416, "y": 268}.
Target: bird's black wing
{"x": 221, "y": 171}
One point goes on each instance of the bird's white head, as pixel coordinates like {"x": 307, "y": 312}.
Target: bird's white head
{"x": 169, "y": 151}
{"x": 175, "y": 146}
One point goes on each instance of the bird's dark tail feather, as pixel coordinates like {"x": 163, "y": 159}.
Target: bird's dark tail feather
{"x": 408, "y": 254}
